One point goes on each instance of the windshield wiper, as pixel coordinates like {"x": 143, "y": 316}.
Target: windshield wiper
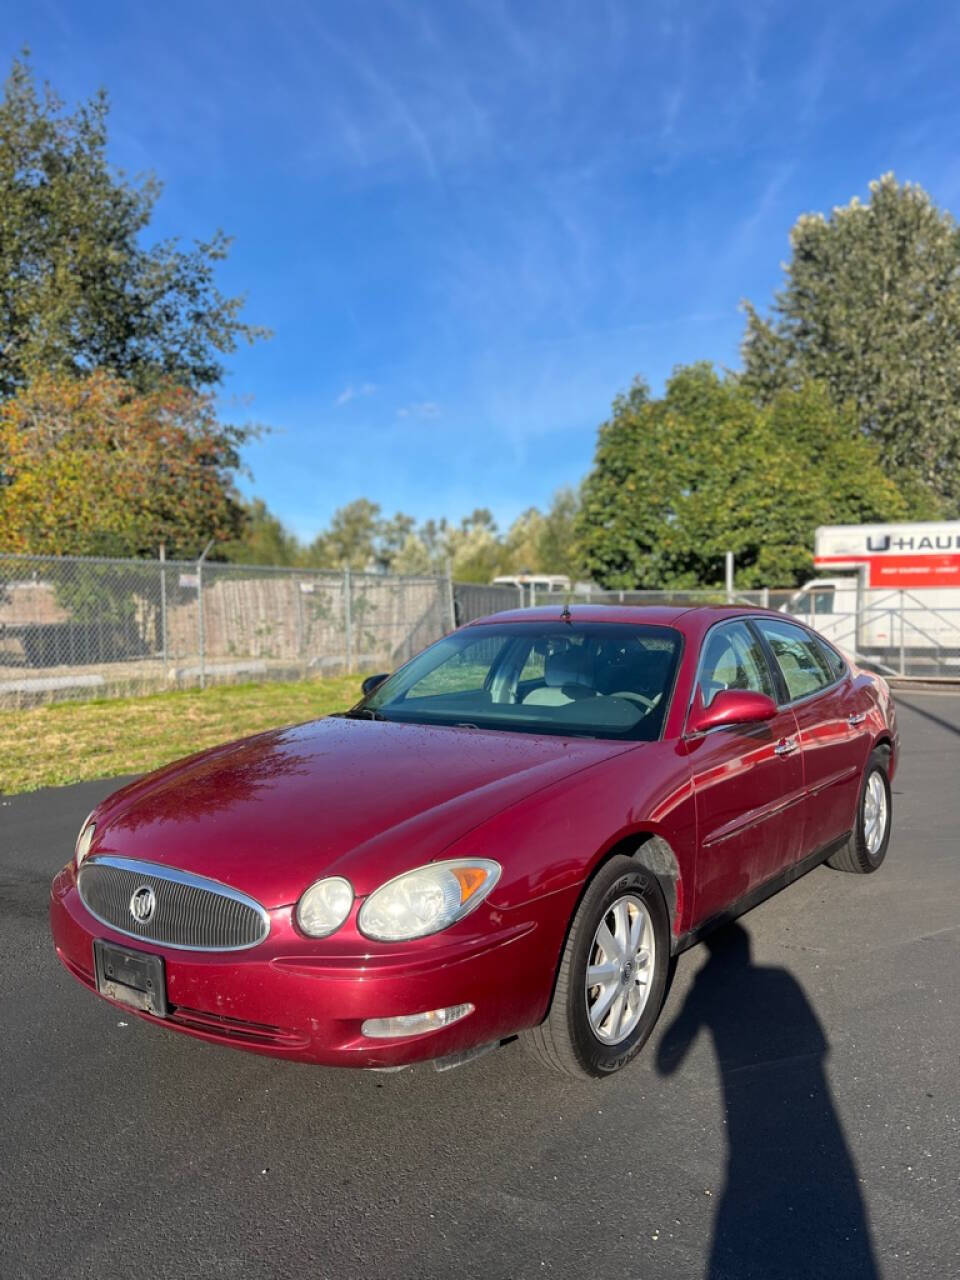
{"x": 363, "y": 713}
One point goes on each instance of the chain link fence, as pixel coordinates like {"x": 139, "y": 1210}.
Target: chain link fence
{"x": 83, "y": 627}
{"x": 74, "y": 628}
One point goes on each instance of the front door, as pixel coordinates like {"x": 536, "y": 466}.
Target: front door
{"x": 747, "y": 779}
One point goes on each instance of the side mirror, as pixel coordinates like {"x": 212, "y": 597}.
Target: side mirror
{"x": 372, "y": 682}
{"x": 730, "y": 706}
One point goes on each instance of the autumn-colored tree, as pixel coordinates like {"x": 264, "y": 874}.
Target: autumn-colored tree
{"x": 91, "y": 466}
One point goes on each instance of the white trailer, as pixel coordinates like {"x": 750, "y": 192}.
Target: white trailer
{"x": 888, "y": 594}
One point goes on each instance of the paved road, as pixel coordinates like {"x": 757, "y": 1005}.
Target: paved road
{"x": 802, "y": 1105}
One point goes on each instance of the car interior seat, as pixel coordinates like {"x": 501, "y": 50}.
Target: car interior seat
{"x": 566, "y": 679}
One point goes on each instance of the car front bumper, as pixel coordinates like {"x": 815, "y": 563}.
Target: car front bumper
{"x": 302, "y": 1001}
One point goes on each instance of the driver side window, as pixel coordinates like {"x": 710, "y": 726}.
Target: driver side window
{"x": 732, "y": 659}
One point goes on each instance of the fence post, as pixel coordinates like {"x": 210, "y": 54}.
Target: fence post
{"x": 203, "y": 662}
{"x": 533, "y": 595}
{"x": 451, "y": 598}
{"x": 860, "y": 607}
{"x": 522, "y": 597}
{"x": 200, "y": 637}
{"x": 903, "y": 669}
{"x": 765, "y": 597}
{"x": 300, "y": 636}
{"x": 348, "y": 619}
{"x": 163, "y": 606}
{"x": 728, "y": 565}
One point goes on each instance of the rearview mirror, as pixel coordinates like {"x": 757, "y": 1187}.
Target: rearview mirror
{"x": 730, "y": 706}
{"x": 372, "y": 682}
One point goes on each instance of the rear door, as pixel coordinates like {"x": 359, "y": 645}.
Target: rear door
{"x": 816, "y": 685}
{"x": 747, "y": 779}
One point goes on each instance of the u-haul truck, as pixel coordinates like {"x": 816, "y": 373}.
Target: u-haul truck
{"x": 889, "y": 593}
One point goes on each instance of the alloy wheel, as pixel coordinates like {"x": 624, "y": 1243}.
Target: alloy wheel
{"x": 620, "y": 968}
{"x": 875, "y": 811}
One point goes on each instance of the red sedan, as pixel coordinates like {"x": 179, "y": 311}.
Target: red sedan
{"x": 512, "y": 834}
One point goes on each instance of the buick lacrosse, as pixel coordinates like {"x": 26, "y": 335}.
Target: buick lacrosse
{"x": 512, "y": 835}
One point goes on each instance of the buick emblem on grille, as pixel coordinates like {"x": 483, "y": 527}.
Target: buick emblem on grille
{"x": 143, "y": 903}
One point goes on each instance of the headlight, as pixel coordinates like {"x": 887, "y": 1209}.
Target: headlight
{"x": 325, "y": 906}
{"x": 427, "y": 900}
{"x": 85, "y": 839}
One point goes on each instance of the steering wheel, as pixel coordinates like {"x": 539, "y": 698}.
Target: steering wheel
{"x": 644, "y": 701}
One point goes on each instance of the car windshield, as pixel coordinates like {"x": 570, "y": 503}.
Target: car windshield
{"x": 598, "y": 680}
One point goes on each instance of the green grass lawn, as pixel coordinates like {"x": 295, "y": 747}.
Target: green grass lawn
{"x": 77, "y": 741}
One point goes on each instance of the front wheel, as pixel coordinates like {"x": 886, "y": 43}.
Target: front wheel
{"x": 868, "y": 842}
{"x": 612, "y": 975}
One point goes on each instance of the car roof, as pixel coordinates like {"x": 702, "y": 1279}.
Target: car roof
{"x": 699, "y": 616}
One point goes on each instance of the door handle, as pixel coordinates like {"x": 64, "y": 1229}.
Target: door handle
{"x": 858, "y": 717}
{"x": 785, "y": 746}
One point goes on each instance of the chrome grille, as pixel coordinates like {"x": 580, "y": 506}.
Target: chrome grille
{"x": 189, "y": 911}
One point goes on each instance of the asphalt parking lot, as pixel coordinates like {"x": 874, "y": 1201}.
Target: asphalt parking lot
{"x": 796, "y": 1113}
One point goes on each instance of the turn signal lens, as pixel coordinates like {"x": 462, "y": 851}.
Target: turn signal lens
{"x": 325, "y": 906}
{"x": 414, "y": 1024}
{"x": 471, "y": 879}
{"x": 427, "y": 900}
{"x": 85, "y": 839}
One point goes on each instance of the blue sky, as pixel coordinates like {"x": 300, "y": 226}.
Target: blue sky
{"x": 471, "y": 222}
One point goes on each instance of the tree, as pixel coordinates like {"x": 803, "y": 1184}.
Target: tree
{"x": 521, "y": 546}
{"x": 350, "y": 542}
{"x": 871, "y": 307}
{"x": 475, "y": 549}
{"x": 361, "y": 538}
{"x": 558, "y": 550}
{"x": 393, "y": 537}
{"x": 263, "y": 539}
{"x": 476, "y": 554}
{"x": 413, "y": 558}
{"x": 90, "y": 466}
{"x": 678, "y": 481}
{"x": 79, "y": 291}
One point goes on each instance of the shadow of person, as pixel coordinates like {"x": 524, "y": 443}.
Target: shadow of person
{"x": 791, "y": 1206}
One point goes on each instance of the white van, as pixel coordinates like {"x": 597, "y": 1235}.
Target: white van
{"x": 539, "y": 584}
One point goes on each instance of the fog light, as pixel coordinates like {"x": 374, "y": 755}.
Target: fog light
{"x": 414, "y": 1024}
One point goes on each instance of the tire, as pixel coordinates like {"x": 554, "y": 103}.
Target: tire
{"x": 863, "y": 852}
{"x": 567, "y": 1040}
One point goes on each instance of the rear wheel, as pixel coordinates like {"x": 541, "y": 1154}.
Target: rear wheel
{"x": 612, "y": 975}
{"x": 867, "y": 846}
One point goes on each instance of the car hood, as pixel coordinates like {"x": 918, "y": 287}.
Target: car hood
{"x": 368, "y": 799}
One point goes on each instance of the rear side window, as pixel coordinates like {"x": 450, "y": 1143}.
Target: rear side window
{"x": 733, "y": 659}
{"x": 800, "y": 658}
{"x": 837, "y": 665}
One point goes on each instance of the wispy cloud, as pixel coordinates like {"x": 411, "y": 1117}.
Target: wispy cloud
{"x": 350, "y": 392}
{"x": 742, "y": 241}
{"x": 424, "y": 409}
{"x": 396, "y": 105}
{"x": 676, "y": 94}
{"x": 814, "y": 76}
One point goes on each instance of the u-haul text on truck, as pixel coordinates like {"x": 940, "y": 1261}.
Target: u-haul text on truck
{"x": 889, "y": 593}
